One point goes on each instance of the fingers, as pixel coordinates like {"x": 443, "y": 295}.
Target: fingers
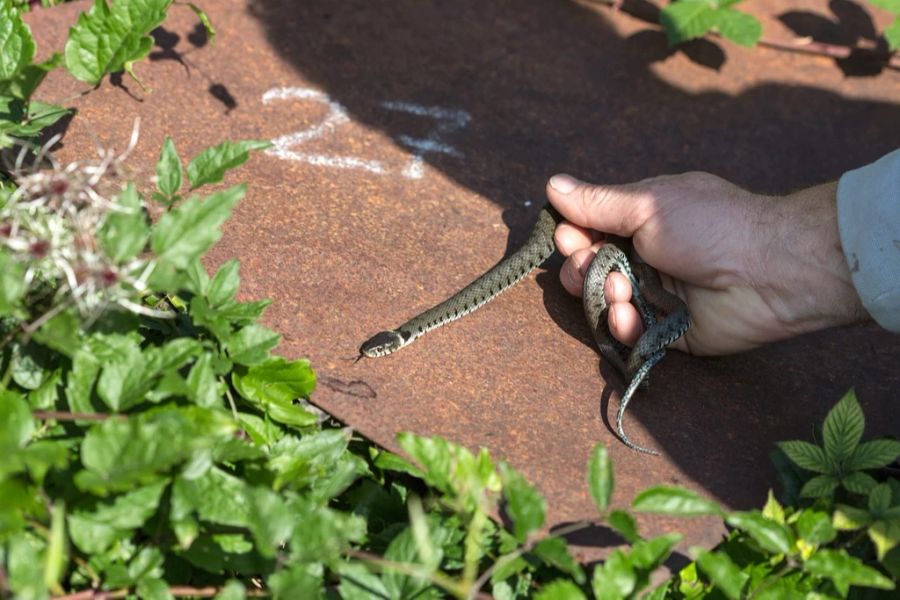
{"x": 616, "y": 209}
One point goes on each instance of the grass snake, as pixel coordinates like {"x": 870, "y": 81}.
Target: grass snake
{"x": 664, "y": 315}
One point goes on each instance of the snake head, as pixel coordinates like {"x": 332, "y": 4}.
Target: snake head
{"x": 381, "y": 343}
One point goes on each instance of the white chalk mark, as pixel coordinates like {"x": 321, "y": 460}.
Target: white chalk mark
{"x": 448, "y": 121}
{"x": 283, "y": 146}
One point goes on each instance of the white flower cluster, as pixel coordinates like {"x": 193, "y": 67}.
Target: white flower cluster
{"x": 51, "y": 224}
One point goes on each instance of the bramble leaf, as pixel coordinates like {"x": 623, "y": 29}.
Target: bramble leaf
{"x": 873, "y": 455}
{"x": 819, "y": 486}
{"x": 843, "y": 428}
{"x": 16, "y": 44}
{"x": 807, "y": 456}
{"x": 224, "y": 284}
{"x": 250, "y": 345}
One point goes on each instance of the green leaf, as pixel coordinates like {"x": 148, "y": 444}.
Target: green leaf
{"x": 12, "y": 283}
{"x": 25, "y": 568}
{"x": 297, "y": 581}
{"x": 123, "y": 381}
{"x": 124, "y": 231}
{"x": 843, "y": 428}
{"x": 738, "y": 27}
{"x": 211, "y": 164}
{"x": 845, "y": 570}
{"x": 16, "y": 424}
{"x": 674, "y": 501}
{"x": 524, "y": 504}
{"x": 23, "y": 85}
{"x": 648, "y": 555}
{"x": 358, "y": 583}
{"x": 250, "y": 345}
{"x": 185, "y": 233}
{"x": 859, "y": 482}
{"x": 16, "y": 44}
{"x": 107, "y": 40}
{"x": 94, "y": 531}
{"x": 276, "y": 380}
{"x": 554, "y": 552}
{"x": 873, "y": 455}
{"x": 224, "y": 284}
{"x": 271, "y": 520}
{"x": 815, "y": 527}
{"x": 168, "y": 171}
{"x": 61, "y": 333}
{"x": 57, "y": 556}
{"x": 722, "y": 572}
{"x": 80, "y": 381}
{"x": 820, "y": 486}
{"x": 151, "y": 588}
{"x": 880, "y": 498}
{"x": 600, "y": 477}
{"x": 203, "y": 383}
{"x": 773, "y": 510}
{"x": 849, "y": 518}
{"x": 687, "y": 19}
{"x": 891, "y": 34}
{"x": 624, "y": 524}
{"x": 806, "y": 456}
{"x": 232, "y": 590}
{"x": 560, "y": 589}
{"x": 614, "y": 578}
{"x": 885, "y": 535}
{"x": 771, "y": 536}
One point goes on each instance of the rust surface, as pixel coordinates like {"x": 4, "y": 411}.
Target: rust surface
{"x": 349, "y": 233}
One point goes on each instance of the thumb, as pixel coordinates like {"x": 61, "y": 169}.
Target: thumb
{"x": 617, "y": 209}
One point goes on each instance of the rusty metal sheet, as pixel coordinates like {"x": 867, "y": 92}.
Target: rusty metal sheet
{"x": 414, "y": 140}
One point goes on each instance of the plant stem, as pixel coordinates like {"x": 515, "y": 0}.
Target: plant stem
{"x": 436, "y": 577}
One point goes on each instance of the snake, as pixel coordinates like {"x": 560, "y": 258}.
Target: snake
{"x": 665, "y": 316}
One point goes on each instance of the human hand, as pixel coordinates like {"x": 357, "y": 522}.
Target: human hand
{"x": 751, "y": 268}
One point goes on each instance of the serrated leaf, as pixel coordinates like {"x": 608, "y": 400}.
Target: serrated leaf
{"x": 152, "y": 588}
{"x": 124, "y": 231}
{"x": 16, "y": 44}
{"x": 554, "y": 552}
{"x": 880, "y": 498}
{"x": 738, "y": 27}
{"x": 168, "y": 170}
{"x": 93, "y": 531}
{"x": 873, "y": 455}
{"x": 806, "y": 456}
{"x": 820, "y": 486}
{"x": 185, "y": 233}
{"x": 648, "y": 555}
{"x": 560, "y": 589}
{"x": 224, "y": 284}
{"x": 674, "y": 501}
{"x": 61, "y": 333}
{"x": 624, "y": 524}
{"x": 686, "y": 20}
{"x": 722, "y": 572}
{"x": 845, "y": 570}
{"x": 600, "y": 477}
{"x": 107, "y": 40}
{"x": 23, "y": 84}
{"x": 524, "y": 504}
{"x": 859, "y": 482}
{"x": 234, "y": 590}
{"x": 843, "y": 428}
{"x": 203, "y": 383}
{"x": 211, "y": 164}
{"x": 771, "y": 536}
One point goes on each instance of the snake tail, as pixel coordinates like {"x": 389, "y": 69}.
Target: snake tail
{"x": 488, "y": 286}
{"x": 639, "y": 376}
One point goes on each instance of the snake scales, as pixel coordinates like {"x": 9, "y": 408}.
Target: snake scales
{"x": 648, "y": 296}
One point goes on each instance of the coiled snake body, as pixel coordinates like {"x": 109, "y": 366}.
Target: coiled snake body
{"x": 648, "y": 296}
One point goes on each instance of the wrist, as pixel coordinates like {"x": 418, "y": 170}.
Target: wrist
{"x": 809, "y": 274}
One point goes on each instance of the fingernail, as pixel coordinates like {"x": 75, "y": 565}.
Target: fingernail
{"x": 564, "y": 184}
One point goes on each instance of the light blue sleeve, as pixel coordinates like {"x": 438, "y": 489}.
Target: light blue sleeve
{"x": 868, "y": 202}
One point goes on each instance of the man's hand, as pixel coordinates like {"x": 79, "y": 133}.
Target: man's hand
{"x": 751, "y": 268}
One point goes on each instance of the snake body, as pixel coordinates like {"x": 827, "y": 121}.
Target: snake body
{"x": 648, "y": 296}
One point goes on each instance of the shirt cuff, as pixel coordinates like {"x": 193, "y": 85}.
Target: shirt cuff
{"x": 868, "y": 206}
